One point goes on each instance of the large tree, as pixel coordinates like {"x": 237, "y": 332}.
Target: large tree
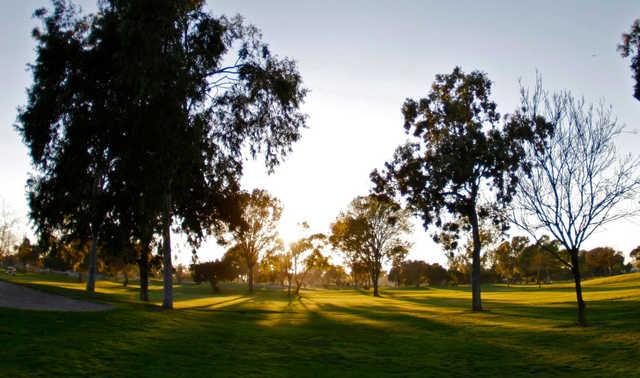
{"x": 66, "y": 127}
{"x": 459, "y": 151}
{"x": 165, "y": 101}
{"x": 630, "y": 48}
{"x": 373, "y": 230}
{"x": 578, "y": 183}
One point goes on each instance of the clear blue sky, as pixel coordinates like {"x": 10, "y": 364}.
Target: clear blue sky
{"x": 361, "y": 59}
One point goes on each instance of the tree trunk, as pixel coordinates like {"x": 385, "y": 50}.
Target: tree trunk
{"x": 476, "y": 302}
{"x": 167, "y": 292}
{"x": 91, "y": 275}
{"x": 575, "y": 269}
{"x": 214, "y": 286}
{"x": 250, "y": 278}
{"x": 126, "y": 278}
{"x": 289, "y": 290}
{"x": 143, "y": 265}
{"x": 374, "y": 282}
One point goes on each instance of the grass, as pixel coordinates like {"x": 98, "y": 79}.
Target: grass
{"x": 525, "y": 331}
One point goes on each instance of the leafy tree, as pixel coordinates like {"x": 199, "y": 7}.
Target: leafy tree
{"x": 372, "y": 230}
{"x": 436, "y": 274}
{"x": 534, "y": 259}
{"x": 459, "y": 150}
{"x": 415, "y": 272}
{"x": 28, "y": 254}
{"x": 635, "y": 255}
{"x": 360, "y": 274}
{"x": 577, "y": 183}
{"x": 335, "y": 275}
{"x": 630, "y": 47}
{"x": 65, "y": 125}
{"x": 258, "y": 234}
{"x": 506, "y": 255}
{"x": 159, "y": 119}
{"x": 213, "y": 272}
{"x": 604, "y": 261}
{"x": 314, "y": 259}
{"x": 269, "y": 269}
{"x": 65, "y": 254}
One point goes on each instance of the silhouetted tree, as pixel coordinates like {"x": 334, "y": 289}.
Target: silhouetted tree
{"x": 436, "y": 274}
{"x": 65, "y": 125}
{"x": 213, "y": 272}
{"x": 373, "y": 230}
{"x": 630, "y": 47}
{"x": 163, "y": 99}
{"x": 577, "y": 182}
{"x": 458, "y": 150}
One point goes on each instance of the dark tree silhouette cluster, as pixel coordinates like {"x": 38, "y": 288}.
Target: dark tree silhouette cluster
{"x": 139, "y": 118}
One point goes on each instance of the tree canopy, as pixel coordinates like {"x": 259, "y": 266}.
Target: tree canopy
{"x": 458, "y": 150}
{"x": 142, "y": 114}
{"x": 372, "y": 231}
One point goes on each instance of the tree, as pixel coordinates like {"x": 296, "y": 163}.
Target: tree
{"x": 603, "y": 261}
{"x": 537, "y": 257}
{"x": 213, "y": 272}
{"x": 336, "y": 275}
{"x": 65, "y": 125}
{"x": 306, "y": 254}
{"x": 372, "y": 230}
{"x": 505, "y": 257}
{"x": 8, "y": 237}
{"x": 415, "y": 272}
{"x": 635, "y": 255}
{"x": 258, "y": 234}
{"x": 436, "y": 274}
{"x": 167, "y": 119}
{"x": 577, "y": 183}
{"x": 459, "y": 150}
{"x": 28, "y": 254}
{"x": 630, "y": 47}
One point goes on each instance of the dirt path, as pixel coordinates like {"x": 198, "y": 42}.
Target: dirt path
{"x": 22, "y": 297}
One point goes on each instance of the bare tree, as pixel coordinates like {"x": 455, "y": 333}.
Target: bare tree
{"x": 8, "y": 223}
{"x": 577, "y": 182}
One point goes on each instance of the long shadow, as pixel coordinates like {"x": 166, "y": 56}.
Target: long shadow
{"x": 235, "y": 343}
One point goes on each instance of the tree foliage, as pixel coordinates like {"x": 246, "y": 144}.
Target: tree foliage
{"x": 630, "y": 48}
{"x": 458, "y": 150}
{"x": 214, "y": 272}
{"x": 141, "y": 114}
{"x": 257, "y": 235}
{"x": 372, "y": 230}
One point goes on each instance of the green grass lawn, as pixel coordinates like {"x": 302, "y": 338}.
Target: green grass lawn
{"x": 525, "y": 331}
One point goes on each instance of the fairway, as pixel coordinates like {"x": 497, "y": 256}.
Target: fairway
{"x": 524, "y": 331}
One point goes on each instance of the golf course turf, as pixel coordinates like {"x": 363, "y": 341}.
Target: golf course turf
{"x": 524, "y": 331}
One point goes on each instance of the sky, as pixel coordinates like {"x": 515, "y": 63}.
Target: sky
{"x": 361, "y": 60}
